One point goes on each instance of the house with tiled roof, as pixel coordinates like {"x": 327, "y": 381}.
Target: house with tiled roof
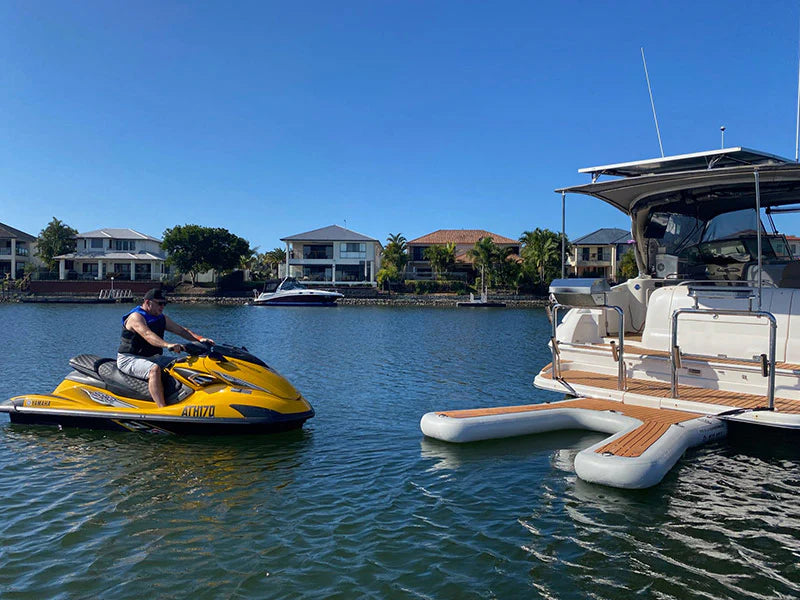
{"x": 597, "y": 254}
{"x": 332, "y": 255}
{"x": 17, "y": 249}
{"x": 124, "y": 254}
{"x": 464, "y": 239}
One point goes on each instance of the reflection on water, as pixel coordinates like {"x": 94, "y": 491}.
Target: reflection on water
{"x": 358, "y": 503}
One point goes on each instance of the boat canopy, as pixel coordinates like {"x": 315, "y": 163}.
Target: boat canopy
{"x": 710, "y": 159}
{"x": 700, "y": 185}
{"x": 778, "y": 186}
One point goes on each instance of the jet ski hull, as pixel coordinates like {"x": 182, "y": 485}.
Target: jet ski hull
{"x": 145, "y": 424}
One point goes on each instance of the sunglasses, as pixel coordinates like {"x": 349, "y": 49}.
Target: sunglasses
{"x": 160, "y": 302}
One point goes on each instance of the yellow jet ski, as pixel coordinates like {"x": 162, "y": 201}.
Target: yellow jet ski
{"x": 216, "y": 389}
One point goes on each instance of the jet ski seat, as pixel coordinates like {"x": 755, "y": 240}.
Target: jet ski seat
{"x": 105, "y": 371}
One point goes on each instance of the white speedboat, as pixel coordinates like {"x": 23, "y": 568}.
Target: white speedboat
{"x": 292, "y": 293}
{"x": 706, "y": 335}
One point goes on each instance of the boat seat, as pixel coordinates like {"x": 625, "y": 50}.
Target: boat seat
{"x": 122, "y": 384}
{"x": 87, "y": 363}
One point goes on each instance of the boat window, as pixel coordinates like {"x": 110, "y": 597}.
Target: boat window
{"x": 292, "y": 284}
{"x": 673, "y": 231}
{"x": 732, "y": 225}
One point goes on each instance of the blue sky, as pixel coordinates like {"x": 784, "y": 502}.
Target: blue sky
{"x": 274, "y": 118}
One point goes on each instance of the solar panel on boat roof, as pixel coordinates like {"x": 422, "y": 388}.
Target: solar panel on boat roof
{"x": 712, "y": 159}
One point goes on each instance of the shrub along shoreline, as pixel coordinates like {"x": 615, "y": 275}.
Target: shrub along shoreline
{"x": 422, "y": 300}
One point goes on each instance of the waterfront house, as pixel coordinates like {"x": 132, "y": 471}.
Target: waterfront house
{"x": 124, "y": 254}
{"x": 332, "y": 255}
{"x": 464, "y": 239}
{"x": 17, "y": 249}
{"x": 597, "y": 254}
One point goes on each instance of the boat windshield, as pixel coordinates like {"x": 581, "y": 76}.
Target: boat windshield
{"x": 292, "y": 284}
{"x": 720, "y": 247}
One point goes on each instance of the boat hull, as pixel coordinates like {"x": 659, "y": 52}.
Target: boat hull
{"x": 297, "y": 301}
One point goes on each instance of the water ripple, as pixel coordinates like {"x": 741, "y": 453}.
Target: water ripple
{"x": 358, "y": 504}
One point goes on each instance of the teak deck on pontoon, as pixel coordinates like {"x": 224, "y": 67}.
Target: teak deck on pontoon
{"x": 655, "y": 422}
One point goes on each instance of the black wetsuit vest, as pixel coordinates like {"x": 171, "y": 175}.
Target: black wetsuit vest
{"x": 133, "y": 343}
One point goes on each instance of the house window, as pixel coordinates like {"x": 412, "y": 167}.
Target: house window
{"x": 352, "y": 250}
{"x": 142, "y": 271}
{"x": 318, "y": 251}
{"x": 123, "y": 269}
{"x": 96, "y": 243}
{"x": 600, "y": 254}
{"x": 125, "y": 245}
{"x": 317, "y": 273}
{"x": 585, "y": 253}
{"x": 350, "y": 272}
{"x": 418, "y": 252}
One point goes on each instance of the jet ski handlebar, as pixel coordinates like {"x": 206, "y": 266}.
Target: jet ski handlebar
{"x": 198, "y": 348}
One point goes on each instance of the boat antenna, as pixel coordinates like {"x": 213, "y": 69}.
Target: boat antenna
{"x": 722, "y": 131}
{"x": 652, "y": 104}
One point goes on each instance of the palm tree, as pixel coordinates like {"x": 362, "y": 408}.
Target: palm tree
{"x": 249, "y": 261}
{"x": 395, "y": 253}
{"x": 275, "y": 258}
{"x": 483, "y": 255}
{"x": 541, "y": 249}
{"x": 442, "y": 258}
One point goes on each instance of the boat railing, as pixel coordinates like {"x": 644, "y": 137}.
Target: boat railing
{"x": 617, "y": 350}
{"x": 722, "y": 289}
{"x": 767, "y": 360}
{"x": 116, "y": 294}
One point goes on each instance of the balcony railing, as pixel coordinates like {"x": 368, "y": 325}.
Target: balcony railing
{"x": 594, "y": 262}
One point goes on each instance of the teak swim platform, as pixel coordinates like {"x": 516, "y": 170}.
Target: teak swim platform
{"x": 704, "y": 335}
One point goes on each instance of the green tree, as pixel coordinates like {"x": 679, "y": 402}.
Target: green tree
{"x": 441, "y": 257}
{"x": 507, "y": 272}
{"x": 194, "y": 249}
{"x": 627, "y": 267}
{"x": 57, "y": 238}
{"x": 484, "y": 254}
{"x": 395, "y": 253}
{"x": 386, "y": 274}
{"x": 541, "y": 253}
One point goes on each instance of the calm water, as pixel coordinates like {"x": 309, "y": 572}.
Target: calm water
{"x": 358, "y": 504}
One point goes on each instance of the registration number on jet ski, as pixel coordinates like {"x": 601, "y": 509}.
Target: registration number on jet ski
{"x": 198, "y": 411}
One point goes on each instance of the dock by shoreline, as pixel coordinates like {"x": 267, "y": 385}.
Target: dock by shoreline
{"x": 422, "y": 300}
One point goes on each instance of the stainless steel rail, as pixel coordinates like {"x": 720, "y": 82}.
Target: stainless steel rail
{"x": 675, "y": 351}
{"x": 619, "y": 352}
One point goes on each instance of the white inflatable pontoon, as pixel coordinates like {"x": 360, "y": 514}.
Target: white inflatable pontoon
{"x": 645, "y": 444}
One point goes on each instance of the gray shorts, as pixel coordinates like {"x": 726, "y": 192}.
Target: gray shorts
{"x": 139, "y": 366}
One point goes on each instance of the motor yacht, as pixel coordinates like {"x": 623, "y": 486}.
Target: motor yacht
{"x": 706, "y": 334}
{"x": 291, "y": 292}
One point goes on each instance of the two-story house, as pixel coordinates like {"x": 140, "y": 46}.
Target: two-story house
{"x": 598, "y": 254}
{"x": 121, "y": 253}
{"x": 17, "y": 249}
{"x": 332, "y": 255}
{"x": 464, "y": 239}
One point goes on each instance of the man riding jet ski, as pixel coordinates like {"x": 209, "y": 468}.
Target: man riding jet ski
{"x": 216, "y": 389}
{"x": 142, "y": 342}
